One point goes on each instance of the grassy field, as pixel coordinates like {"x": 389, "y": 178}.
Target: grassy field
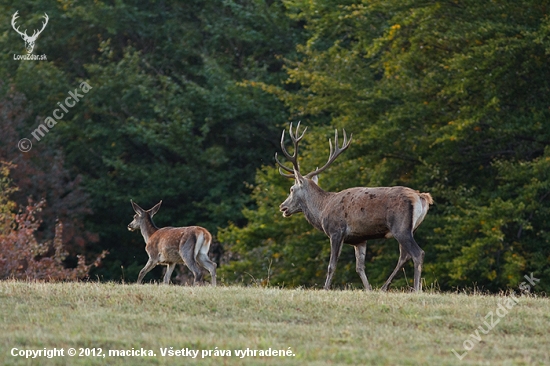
{"x": 320, "y": 327}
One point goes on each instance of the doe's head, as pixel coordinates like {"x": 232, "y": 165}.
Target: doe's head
{"x": 142, "y": 216}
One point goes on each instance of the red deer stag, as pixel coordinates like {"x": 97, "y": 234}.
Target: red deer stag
{"x": 356, "y": 215}
{"x": 172, "y": 245}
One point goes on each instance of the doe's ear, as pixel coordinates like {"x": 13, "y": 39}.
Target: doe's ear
{"x": 155, "y": 208}
{"x": 137, "y": 209}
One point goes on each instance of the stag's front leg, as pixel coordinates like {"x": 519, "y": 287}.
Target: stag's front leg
{"x": 360, "y": 253}
{"x": 336, "y": 242}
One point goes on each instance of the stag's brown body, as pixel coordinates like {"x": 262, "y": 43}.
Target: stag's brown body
{"x": 356, "y": 215}
{"x": 366, "y": 213}
{"x": 173, "y": 245}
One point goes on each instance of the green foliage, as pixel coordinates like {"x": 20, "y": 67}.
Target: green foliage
{"x": 7, "y": 206}
{"x": 448, "y": 98}
{"x": 188, "y": 100}
{"x": 271, "y": 249}
{"x": 166, "y": 117}
{"x": 508, "y": 235}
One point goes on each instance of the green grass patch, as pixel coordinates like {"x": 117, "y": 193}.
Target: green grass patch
{"x": 320, "y": 327}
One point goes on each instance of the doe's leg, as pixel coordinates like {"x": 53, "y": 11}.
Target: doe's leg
{"x": 187, "y": 252}
{"x": 148, "y": 267}
{"x": 169, "y": 269}
{"x": 210, "y": 265}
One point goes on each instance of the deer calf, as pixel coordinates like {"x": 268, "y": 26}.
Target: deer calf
{"x": 172, "y": 245}
{"x": 356, "y": 215}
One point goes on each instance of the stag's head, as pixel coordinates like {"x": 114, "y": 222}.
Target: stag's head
{"x": 298, "y": 196}
{"x": 142, "y": 216}
{"x": 304, "y": 184}
{"x": 29, "y": 40}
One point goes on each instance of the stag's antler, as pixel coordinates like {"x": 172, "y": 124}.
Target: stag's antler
{"x": 294, "y": 157}
{"x": 333, "y": 154}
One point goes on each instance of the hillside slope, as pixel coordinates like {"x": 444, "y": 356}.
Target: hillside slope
{"x": 307, "y": 326}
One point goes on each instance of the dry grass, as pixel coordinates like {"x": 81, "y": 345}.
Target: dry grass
{"x": 334, "y": 327}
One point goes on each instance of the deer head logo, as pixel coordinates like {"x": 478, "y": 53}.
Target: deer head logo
{"x": 29, "y": 41}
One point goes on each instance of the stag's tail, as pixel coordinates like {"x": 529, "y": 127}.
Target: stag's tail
{"x": 421, "y": 208}
{"x": 427, "y": 198}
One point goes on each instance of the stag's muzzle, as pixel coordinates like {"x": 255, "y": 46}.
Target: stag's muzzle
{"x": 284, "y": 210}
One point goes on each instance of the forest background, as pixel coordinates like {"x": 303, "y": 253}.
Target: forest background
{"x": 187, "y": 103}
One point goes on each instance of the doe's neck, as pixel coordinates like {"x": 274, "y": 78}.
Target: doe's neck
{"x": 148, "y": 228}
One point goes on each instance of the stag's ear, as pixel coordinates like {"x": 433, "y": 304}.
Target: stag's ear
{"x": 315, "y": 179}
{"x": 154, "y": 210}
{"x": 137, "y": 209}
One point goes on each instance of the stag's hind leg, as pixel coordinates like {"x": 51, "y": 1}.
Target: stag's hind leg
{"x": 418, "y": 259}
{"x": 409, "y": 249}
{"x": 360, "y": 253}
{"x": 417, "y": 255}
{"x": 403, "y": 258}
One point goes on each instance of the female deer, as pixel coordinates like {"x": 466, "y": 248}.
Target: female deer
{"x": 172, "y": 245}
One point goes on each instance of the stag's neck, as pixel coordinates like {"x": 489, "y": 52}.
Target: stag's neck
{"x": 147, "y": 229}
{"x": 315, "y": 205}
